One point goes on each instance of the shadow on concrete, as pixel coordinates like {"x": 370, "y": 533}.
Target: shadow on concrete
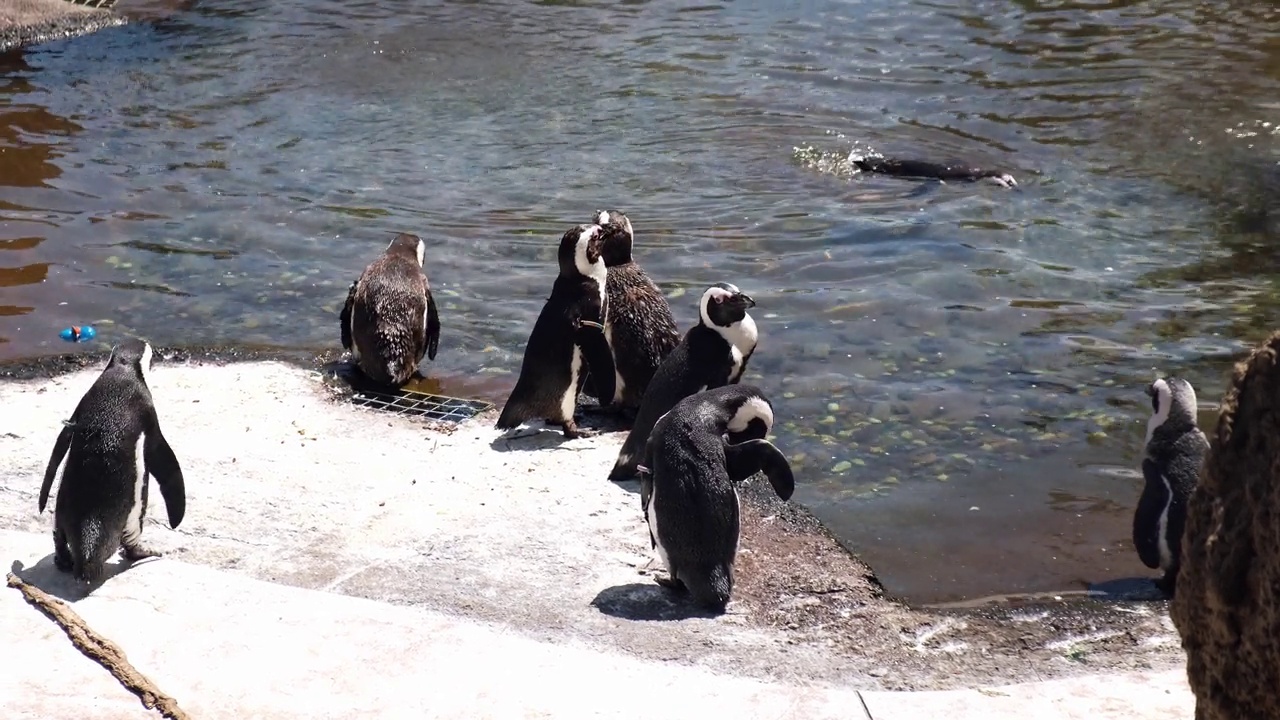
{"x": 647, "y": 601}
{"x": 1130, "y": 589}
{"x": 46, "y": 576}
{"x": 632, "y": 485}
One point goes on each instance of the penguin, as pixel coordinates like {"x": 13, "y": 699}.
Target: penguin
{"x": 688, "y": 490}
{"x": 1175, "y": 452}
{"x": 567, "y": 339}
{"x": 713, "y": 353}
{"x": 106, "y": 451}
{"x": 924, "y": 169}
{"x": 390, "y": 321}
{"x": 640, "y": 328}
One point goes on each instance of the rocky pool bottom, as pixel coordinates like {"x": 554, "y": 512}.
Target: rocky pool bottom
{"x": 804, "y": 607}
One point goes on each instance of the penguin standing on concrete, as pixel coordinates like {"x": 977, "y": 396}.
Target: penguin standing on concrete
{"x": 640, "y": 327}
{"x": 713, "y": 353}
{"x": 110, "y": 445}
{"x": 1175, "y": 453}
{"x": 389, "y": 321}
{"x": 567, "y": 339}
{"x": 688, "y": 486}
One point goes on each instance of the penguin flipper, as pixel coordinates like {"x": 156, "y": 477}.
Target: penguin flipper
{"x": 433, "y": 326}
{"x": 60, "y": 447}
{"x": 743, "y": 460}
{"x": 344, "y": 318}
{"x": 1146, "y": 518}
{"x": 162, "y": 465}
{"x": 595, "y": 349}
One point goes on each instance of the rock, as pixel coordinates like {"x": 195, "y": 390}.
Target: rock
{"x": 1227, "y": 607}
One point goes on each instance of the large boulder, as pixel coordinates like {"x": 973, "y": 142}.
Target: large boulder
{"x": 1227, "y": 607}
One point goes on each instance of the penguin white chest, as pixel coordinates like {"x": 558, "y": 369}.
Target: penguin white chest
{"x": 570, "y": 399}
{"x": 1162, "y": 528}
{"x": 133, "y": 524}
{"x": 653, "y": 529}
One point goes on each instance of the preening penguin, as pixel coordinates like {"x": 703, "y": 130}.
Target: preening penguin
{"x": 688, "y": 486}
{"x": 639, "y": 327}
{"x": 1175, "y": 453}
{"x": 567, "y": 338}
{"x": 111, "y": 444}
{"x": 713, "y": 353}
{"x": 389, "y": 321}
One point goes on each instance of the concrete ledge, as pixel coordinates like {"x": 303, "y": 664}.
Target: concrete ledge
{"x": 338, "y": 560}
{"x": 28, "y": 22}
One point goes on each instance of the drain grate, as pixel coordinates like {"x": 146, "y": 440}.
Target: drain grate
{"x": 409, "y": 403}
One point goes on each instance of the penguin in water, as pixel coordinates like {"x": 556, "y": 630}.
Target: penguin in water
{"x": 713, "y": 353}
{"x": 567, "y": 339}
{"x": 1176, "y": 449}
{"x": 688, "y": 486}
{"x": 389, "y": 321}
{"x": 640, "y": 327}
{"x": 106, "y": 451}
{"x": 930, "y": 170}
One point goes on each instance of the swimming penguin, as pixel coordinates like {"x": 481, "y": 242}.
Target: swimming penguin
{"x": 389, "y": 321}
{"x": 688, "y": 486}
{"x": 111, "y": 444}
{"x": 1175, "y": 453}
{"x": 931, "y": 170}
{"x": 567, "y": 339}
{"x": 640, "y": 327}
{"x": 713, "y": 353}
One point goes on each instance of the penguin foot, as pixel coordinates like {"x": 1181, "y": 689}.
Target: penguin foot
{"x": 573, "y": 432}
{"x": 61, "y": 561}
{"x": 671, "y": 583}
{"x": 134, "y": 553}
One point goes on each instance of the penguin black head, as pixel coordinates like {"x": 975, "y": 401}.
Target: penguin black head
{"x": 580, "y": 252}
{"x": 133, "y": 353}
{"x": 1173, "y": 405}
{"x": 618, "y": 237}
{"x": 408, "y": 246}
{"x": 724, "y": 305}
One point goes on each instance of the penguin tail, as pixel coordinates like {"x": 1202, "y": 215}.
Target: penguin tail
{"x": 90, "y": 551}
{"x": 712, "y": 589}
{"x": 624, "y": 469}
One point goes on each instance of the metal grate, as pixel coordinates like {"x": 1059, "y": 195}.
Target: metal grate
{"x": 410, "y": 403}
{"x": 105, "y": 4}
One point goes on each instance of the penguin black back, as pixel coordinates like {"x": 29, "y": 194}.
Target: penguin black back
{"x": 639, "y": 326}
{"x": 1175, "y": 452}
{"x": 110, "y": 445}
{"x": 390, "y": 320}
{"x": 688, "y": 486}
{"x": 713, "y": 353}
{"x": 567, "y": 339}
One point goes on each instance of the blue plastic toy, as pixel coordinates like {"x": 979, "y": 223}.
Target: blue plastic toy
{"x": 78, "y": 333}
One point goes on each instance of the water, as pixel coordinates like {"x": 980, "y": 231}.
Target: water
{"x": 957, "y": 369}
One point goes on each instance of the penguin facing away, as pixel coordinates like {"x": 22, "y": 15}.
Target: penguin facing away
{"x": 103, "y": 456}
{"x": 1175, "y": 453}
{"x": 567, "y": 339}
{"x": 688, "y": 487}
{"x": 390, "y": 321}
{"x": 713, "y": 353}
{"x": 639, "y": 327}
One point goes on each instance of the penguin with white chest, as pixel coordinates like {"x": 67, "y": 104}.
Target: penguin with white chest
{"x": 567, "y": 340}
{"x": 390, "y": 321}
{"x": 103, "y": 457}
{"x": 713, "y": 353}
{"x": 639, "y": 327}
{"x": 1175, "y": 453}
{"x": 688, "y": 487}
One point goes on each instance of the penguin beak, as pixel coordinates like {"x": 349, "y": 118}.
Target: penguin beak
{"x": 744, "y": 300}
